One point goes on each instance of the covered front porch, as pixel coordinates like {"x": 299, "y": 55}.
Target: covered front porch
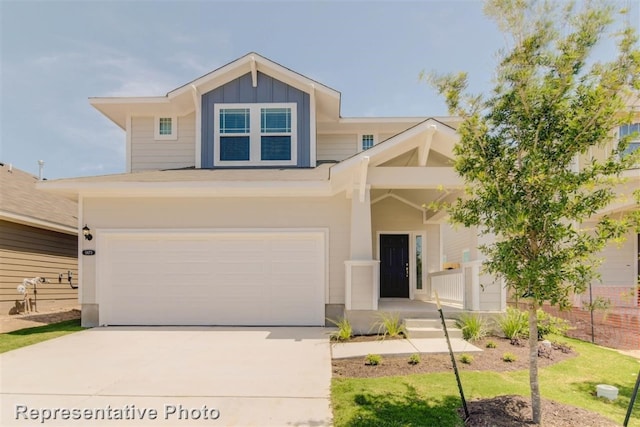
{"x": 402, "y": 252}
{"x": 460, "y": 289}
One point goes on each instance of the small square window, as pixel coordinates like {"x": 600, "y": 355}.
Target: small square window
{"x": 165, "y": 127}
{"x": 367, "y": 142}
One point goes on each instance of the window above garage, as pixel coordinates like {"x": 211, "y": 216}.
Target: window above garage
{"x": 255, "y": 134}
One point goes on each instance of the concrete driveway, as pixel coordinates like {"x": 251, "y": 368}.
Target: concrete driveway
{"x": 170, "y": 376}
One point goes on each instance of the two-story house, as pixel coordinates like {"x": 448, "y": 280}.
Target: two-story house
{"x": 249, "y": 200}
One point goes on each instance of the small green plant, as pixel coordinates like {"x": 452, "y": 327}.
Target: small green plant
{"x": 344, "y": 332}
{"x": 473, "y": 326}
{"x": 509, "y": 357}
{"x": 467, "y": 359}
{"x": 491, "y": 344}
{"x": 598, "y": 303}
{"x": 514, "y": 324}
{"x": 373, "y": 360}
{"x": 390, "y": 325}
{"x": 548, "y": 324}
{"x": 414, "y": 359}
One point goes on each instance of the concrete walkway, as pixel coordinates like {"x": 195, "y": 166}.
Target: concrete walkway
{"x": 400, "y": 346}
{"x": 177, "y": 376}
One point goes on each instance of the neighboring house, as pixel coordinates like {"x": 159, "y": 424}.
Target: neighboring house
{"x": 620, "y": 270}
{"x": 38, "y": 238}
{"x": 249, "y": 200}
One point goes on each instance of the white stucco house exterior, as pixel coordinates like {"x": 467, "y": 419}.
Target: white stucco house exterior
{"x": 249, "y": 200}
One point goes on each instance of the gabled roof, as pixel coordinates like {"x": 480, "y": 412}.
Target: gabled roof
{"x": 384, "y": 151}
{"x": 180, "y": 101}
{"x": 22, "y": 202}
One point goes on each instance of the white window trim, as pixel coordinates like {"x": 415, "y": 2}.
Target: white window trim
{"x": 414, "y": 292}
{"x": 174, "y": 128}
{"x": 254, "y": 135}
{"x": 361, "y": 135}
{"x": 633, "y": 141}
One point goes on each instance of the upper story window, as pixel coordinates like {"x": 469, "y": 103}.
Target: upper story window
{"x": 255, "y": 134}
{"x": 165, "y": 127}
{"x": 634, "y": 144}
{"x": 367, "y": 142}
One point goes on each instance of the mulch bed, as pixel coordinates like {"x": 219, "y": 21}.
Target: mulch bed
{"x": 515, "y": 411}
{"x": 10, "y": 323}
{"x": 500, "y": 411}
{"x": 490, "y": 359}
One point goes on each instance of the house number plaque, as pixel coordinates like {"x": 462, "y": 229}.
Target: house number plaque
{"x": 88, "y": 252}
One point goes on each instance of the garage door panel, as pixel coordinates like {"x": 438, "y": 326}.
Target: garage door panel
{"x": 240, "y": 278}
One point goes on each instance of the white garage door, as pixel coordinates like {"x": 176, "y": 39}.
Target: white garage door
{"x": 211, "y": 278}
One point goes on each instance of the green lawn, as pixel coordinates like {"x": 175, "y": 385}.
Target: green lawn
{"x": 29, "y": 336}
{"x": 432, "y": 399}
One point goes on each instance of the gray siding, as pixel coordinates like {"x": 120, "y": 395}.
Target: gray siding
{"x": 241, "y": 90}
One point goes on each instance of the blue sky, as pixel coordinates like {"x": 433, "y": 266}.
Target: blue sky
{"x": 57, "y": 54}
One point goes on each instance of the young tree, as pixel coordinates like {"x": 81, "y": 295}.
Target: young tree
{"x": 551, "y": 105}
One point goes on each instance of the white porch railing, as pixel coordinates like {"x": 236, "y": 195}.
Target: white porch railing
{"x": 449, "y": 285}
{"x": 468, "y": 288}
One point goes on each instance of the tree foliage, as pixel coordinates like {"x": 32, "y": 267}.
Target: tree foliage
{"x": 552, "y": 103}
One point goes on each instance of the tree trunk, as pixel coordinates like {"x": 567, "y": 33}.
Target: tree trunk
{"x": 533, "y": 364}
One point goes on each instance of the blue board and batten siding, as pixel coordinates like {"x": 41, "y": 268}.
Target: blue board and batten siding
{"x": 241, "y": 90}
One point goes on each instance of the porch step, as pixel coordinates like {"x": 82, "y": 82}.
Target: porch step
{"x": 431, "y": 328}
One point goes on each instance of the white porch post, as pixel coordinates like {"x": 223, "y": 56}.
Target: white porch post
{"x": 361, "y": 241}
{"x": 361, "y": 270}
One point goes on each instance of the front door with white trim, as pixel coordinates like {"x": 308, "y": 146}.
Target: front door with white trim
{"x": 394, "y": 266}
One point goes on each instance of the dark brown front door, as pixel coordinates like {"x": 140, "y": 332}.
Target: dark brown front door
{"x": 394, "y": 266}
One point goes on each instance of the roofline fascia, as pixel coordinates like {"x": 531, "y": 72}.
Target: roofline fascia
{"x": 197, "y": 188}
{"x": 403, "y": 119}
{"x": 98, "y": 100}
{"x": 38, "y": 223}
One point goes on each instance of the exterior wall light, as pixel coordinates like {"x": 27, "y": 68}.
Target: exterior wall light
{"x": 86, "y": 231}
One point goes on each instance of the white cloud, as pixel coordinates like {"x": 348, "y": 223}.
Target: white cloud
{"x": 122, "y": 73}
{"x": 132, "y": 76}
{"x": 194, "y": 64}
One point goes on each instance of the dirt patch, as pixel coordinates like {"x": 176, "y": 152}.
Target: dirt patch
{"x": 490, "y": 359}
{"x": 515, "y": 411}
{"x": 10, "y": 323}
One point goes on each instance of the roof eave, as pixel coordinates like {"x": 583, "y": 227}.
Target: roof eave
{"x": 38, "y": 223}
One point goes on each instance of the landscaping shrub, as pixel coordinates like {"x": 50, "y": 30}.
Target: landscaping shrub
{"x": 548, "y": 324}
{"x": 473, "y": 327}
{"x": 491, "y": 344}
{"x": 344, "y": 332}
{"x": 414, "y": 359}
{"x": 467, "y": 359}
{"x": 514, "y": 324}
{"x": 373, "y": 359}
{"x": 390, "y": 325}
{"x": 509, "y": 357}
